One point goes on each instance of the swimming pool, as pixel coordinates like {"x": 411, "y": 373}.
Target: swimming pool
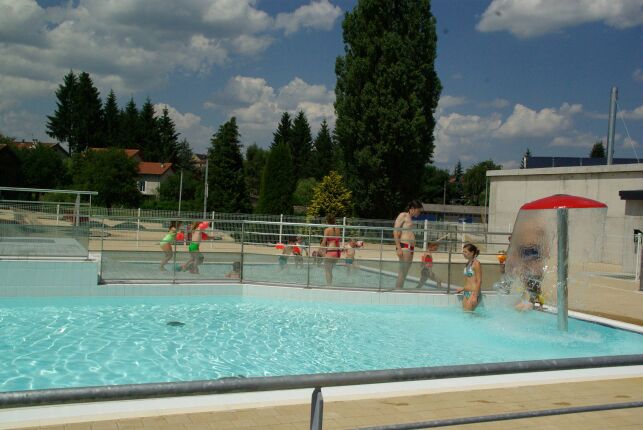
{"x": 71, "y": 341}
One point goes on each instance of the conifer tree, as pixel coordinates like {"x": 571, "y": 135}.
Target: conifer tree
{"x": 226, "y": 181}
{"x": 598, "y": 150}
{"x": 150, "y": 137}
{"x": 277, "y": 186}
{"x": 523, "y": 162}
{"x": 130, "y": 134}
{"x": 323, "y": 153}
{"x": 386, "y": 94}
{"x": 62, "y": 124}
{"x": 184, "y": 156}
{"x": 301, "y": 143}
{"x": 168, "y": 138}
{"x": 331, "y": 196}
{"x": 89, "y": 108}
{"x": 111, "y": 121}
{"x": 253, "y": 168}
{"x": 283, "y": 132}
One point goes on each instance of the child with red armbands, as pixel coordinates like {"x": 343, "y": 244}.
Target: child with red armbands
{"x": 427, "y": 266}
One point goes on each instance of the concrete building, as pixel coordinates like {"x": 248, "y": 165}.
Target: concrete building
{"x": 510, "y": 189}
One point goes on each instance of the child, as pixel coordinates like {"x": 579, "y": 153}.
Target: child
{"x": 167, "y": 242}
{"x": 288, "y": 250}
{"x": 236, "y": 271}
{"x": 196, "y": 257}
{"x": 349, "y": 260}
{"x": 427, "y": 266}
{"x": 298, "y": 249}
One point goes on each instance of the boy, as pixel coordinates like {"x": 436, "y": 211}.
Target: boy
{"x": 427, "y": 266}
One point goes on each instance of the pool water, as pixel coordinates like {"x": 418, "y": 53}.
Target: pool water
{"x": 69, "y": 342}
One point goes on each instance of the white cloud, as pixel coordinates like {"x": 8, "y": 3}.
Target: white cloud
{"x": 189, "y": 126}
{"x": 461, "y": 137}
{"x": 533, "y": 18}
{"x": 319, "y": 14}
{"x": 447, "y": 101}
{"x": 637, "y": 75}
{"x": 576, "y": 140}
{"x": 258, "y": 106}
{"x": 23, "y": 125}
{"x": 635, "y": 114}
{"x": 525, "y": 122}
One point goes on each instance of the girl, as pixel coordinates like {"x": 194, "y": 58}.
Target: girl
{"x": 167, "y": 242}
{"x": 330, "y": 244}
{"x": 472, "y": 278}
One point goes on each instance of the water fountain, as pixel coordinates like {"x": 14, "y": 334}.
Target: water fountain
{"x": 553, "y": 238}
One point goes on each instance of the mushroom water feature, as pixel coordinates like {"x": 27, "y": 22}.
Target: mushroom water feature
{"x": 553, "y": 238}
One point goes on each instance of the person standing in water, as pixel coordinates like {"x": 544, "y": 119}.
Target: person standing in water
{"x": 330, "y": 246}
{"x": 405, "y": 240}
{"x": 471, "y": 292}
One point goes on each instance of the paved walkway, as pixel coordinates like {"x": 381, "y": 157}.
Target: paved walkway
{"x": 419, "y": 408}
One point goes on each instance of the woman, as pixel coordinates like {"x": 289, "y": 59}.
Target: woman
{"x": 330, "y": 245}
{"x": 167, "y": 242}
{"x": 472, "y": 278}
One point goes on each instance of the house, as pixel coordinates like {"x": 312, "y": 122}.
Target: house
{"x": 134, "y": 154}
{"x": 152, "y": 174}
{"x": 57, "y": 147}
{"x": 199, "y": 161}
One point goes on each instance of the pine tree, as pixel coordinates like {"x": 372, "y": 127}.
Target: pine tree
{"x": 275, "y": 195}
{"x": 226, "y": 181}
{"x": 283, "y": 132}
{"x": 323, "y": 154}
{"x": 523, "y": 162}
{"x": 598, "y": 150}
{"x": 457, "y": 190}
{"x": 130, "y": 134}
{"x": 253, "y": 168}
{"x": 150, "y": 136}
{"x": 386, "y": 94}
{"x": 184, "y": 156}
{"x": 61, "y": 125}
{"x": 89, "y": 109}
{"x": 111, "y": 121}
{"x": 168, "y": 143}
{"x": 301, "y": 143}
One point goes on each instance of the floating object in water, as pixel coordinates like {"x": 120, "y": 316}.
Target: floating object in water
{"x": 175, "y": 323}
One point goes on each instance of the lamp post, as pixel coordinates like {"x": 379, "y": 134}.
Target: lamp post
{"x": 180, "y": 191}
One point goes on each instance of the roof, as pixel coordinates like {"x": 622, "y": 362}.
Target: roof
{"x": 131, "y": 153}
{"x": 150, "y": 168}
{"x": 30, "y": 145}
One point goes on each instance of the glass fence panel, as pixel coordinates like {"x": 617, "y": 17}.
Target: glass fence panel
{"x": 42, "y": 240}
{"x": 275, "y": 268}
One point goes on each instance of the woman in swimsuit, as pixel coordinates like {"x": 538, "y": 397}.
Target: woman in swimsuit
{"x": 167, "y": 242}
{"x": 330, "y": 244}
{"x": 471, "y": 293}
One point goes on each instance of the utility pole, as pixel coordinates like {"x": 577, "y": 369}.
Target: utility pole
{"x": 180, "y": 191}
{"x": 205, "y": 186}
{"x": 611, "y": 125}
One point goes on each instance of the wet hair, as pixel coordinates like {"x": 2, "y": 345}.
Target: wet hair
{"x": 414, "y": 204}
{"x": 330, "y": 218}
{"x": 471, "y": 248}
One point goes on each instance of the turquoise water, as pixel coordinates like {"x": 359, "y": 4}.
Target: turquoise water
{"x": 68, "y": 342}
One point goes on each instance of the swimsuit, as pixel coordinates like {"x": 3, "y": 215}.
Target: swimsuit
{"x": 168, "y": 238}
{"x": 334, "y": 251}
{"x": 348, "y": 261}
{"x": 193, "y": 247}
{"x": 296, "y": 250}
{"x": 407, "y": 246}
{"x": 468, "y": 270}
{"x": 283, "y": 260}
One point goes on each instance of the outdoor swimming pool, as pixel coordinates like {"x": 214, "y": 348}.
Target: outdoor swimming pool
{"x": 69, "y": 342}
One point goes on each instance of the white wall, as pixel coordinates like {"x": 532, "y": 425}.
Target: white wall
{"x": 510, "y": 189}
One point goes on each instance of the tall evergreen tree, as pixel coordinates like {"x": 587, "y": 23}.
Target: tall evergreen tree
{"x": 323, "y": 153}
{"x": 89, "y": 109}
{"x": 301, "y": 142}
{"x": 168, "y": 143}
{"x": 386, "y": 94}
{"x": 184, "y": 156}
{"x": 283, "y": 132}
{"x": 598, "y": 150}
{"x": 150, "y": 135}
{"x": 111, "y": 121}
{"x": 277, "y": 187}
{"x": 226, "y": 181}
{"x": 130, "y": 133}
{"x": 253, "y": 168}
{"x": 62, "y": 124}
{"x": 457, "y": 190}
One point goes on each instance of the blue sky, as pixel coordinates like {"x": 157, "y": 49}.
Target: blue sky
{"x": 516, "y": 74}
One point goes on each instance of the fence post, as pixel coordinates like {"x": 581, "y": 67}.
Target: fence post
{"x": 344, "y": 230}
{"x": 57, "y": 214}
{"x": 243, "y": 240}
{"x": 316, "y": 410}
{"x": 426, "y": 234}
{"x": 281, "y": 227}
{"x": 138, "y": 225}
{"x": 100, "y": 264}
{"x": 449, "y": 274}
{"x": 381, "y": 261}
{"x": 640, "y": 262}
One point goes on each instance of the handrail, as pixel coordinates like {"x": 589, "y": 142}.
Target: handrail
{"x": 231, "y": 385}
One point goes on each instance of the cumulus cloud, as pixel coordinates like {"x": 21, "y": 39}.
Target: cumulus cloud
{"x": 635, "y": 114}
{"x": 461, "y": 137}
{"x": 320, "y": 15}
{"x": 447, "y": 102}
{"x": 534, "y": 18}
{"x": 576, "y": 140}
{"x": 258, "y": 107}
{"x": 526, "y": 122}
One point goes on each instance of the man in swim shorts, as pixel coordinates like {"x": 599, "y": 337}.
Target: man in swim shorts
{"x": 405, "y": 240}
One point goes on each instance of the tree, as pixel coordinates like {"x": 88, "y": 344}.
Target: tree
{"x": 168, "y": 144}
{"x": 109, "y": 172}
{"x": 457, "y": 191}
{"x": 331, "y": 197}
{"x": 150, "y": 135}
{"x": 598, "y": 150}
{"x": 42, "y": 167}
{"x": 474, "y": 182}
{"x": 301, "y": 143}
{"x": 275, "y": 194}
{"x": 436, "y": 187}
{"x": 184, "y": 156}
{"x": 304, "y": 191}
{"x": 130, "y": 134}
{"x": 323, "y": 153}
{"x": 226, "y": 182}
{"x": 169, "y": 192}
{"x": 523, "y": 162}
{"x": 88, "y": 114}
{"x": 386, "y": 94}
{"x": 283, "y": 132}
{"x": 111, "y": 121}
{"x": 253, "y": 168}
{"x": 62, "y": 124}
